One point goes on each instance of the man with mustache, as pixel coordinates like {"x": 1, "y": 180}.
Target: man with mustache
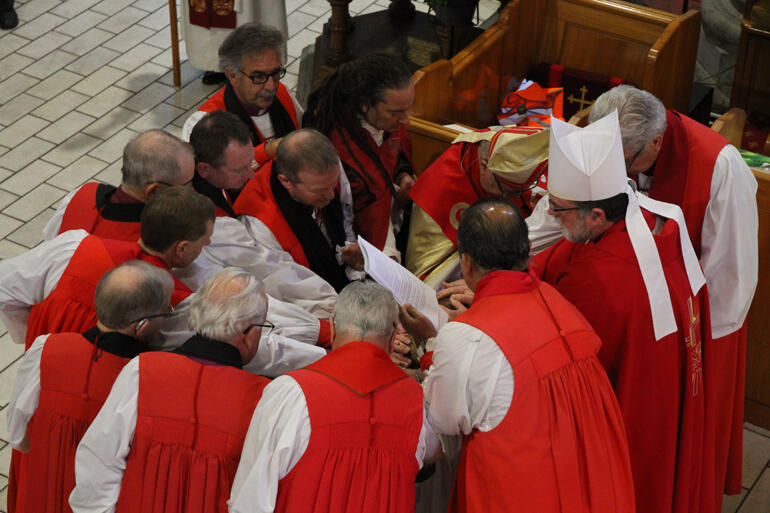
{"x": 251, "y": 60}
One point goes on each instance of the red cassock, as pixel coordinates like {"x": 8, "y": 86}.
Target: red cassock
{"x": 365, "y": 416}
{"x": 561, "y": 446}
{"x": 660, "y": 385}
{"x": 70, "y": 306}
{"x": 683, "y": 172}
{"x": 92, "y": 209}
{"x": 371, "y": 172}
{"x": 191, "y": 421}
{"x": 70, "y": 397}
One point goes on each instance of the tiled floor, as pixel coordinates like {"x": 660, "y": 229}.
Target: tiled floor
{"x": 79, "y": 78}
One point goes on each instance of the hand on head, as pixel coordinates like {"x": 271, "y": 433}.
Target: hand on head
{"x": 353, "y": 256}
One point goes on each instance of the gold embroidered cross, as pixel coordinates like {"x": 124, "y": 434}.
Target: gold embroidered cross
{"x": 582, "y": 100}
{"x": 694, "y": 345}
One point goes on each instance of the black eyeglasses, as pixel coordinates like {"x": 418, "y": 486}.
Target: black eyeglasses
{"x": 563, "y": 209}
{"x": 630, "y": 163}
{"x": 260, "y": 77}
{"x": 269, "y": 325}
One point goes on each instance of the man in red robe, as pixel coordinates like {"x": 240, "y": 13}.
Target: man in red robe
{"x": 509, "y": 162}
{"x": 64, "y": 379}
{"x": 637, "y": 281}
{"x": 169, "y": 435}
{"x": 517, "y": 375}
{"x": 251, "y": 59}
{"x": 680, "y": 161}
{"x": 345, "y": 434}
{"x": 363, "y": 108}
{"x": 152, "y": 161}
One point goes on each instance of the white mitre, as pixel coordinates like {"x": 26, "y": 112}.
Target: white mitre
{"x": 587, "y": 164}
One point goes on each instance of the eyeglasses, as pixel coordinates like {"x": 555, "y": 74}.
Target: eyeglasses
{"x": 164, "y": 315}
{"x": 630, "y": 163}
{"x": 269, "y": 325}
{"x": 261, "y": 77}
{"x": 563, "y": 209}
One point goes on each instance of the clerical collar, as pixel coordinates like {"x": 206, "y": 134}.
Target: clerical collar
{"x": 121, "y": 196}
{"x": 377, "y": 135}
{"x": 115, "y": 343}
{"x": 211, "y": 351}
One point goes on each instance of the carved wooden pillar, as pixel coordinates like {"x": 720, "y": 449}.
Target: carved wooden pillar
{"x": 339, "y": 26}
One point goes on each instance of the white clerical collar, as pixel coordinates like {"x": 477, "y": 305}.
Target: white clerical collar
{"x": 377, "y": 135}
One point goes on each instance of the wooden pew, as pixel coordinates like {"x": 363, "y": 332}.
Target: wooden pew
{"x": 653, "y": 49}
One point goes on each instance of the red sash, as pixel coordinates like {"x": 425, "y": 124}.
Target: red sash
{"x": 212, "y": 13}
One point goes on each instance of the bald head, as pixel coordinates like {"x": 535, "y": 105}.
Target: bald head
{"x": 156, "y": 156}
{"x": 494, "y": 235}
{"x": 227, "y": 304}
{"x": 132, "y": 290}
{"x": 305, "y": 150}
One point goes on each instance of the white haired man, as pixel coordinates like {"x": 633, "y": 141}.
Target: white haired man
{"x": 64, "y": 379}
{"x": 172, "y": 428}
{"x": 345, "y": 434}
{"x": 677, "y": 160}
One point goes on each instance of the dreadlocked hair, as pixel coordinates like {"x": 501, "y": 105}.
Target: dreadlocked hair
{"x": 337, "y": 104}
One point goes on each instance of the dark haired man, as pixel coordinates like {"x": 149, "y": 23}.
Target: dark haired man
{"x": 517, "y": 374}
{"x": 64, "y": 379}
{"x": 636, "y": 279}
{"x": 363, "y": 108}
{"x": 251, "y": 59}
{"x": 293, "y": 209}
{"x": 50, "y": 289}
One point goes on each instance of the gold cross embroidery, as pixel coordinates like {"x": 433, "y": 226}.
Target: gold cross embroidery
{"x": 582, "y": 100}
{"x": 694, "y": 345}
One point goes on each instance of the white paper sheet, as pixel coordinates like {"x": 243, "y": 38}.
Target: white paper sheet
{"x": 405, "y": 286}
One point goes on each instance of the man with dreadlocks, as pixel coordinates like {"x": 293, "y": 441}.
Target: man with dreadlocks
{"x": 362, "y": 108}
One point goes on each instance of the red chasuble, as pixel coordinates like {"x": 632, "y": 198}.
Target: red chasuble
{"x": 70, "y": 306}
{"x": 683, "y": 172}
{"x": 191, "y": 422}
{"x": 371, "y": 183}
{"x": 92, "y": 210}
{"x": 365, "y": 416}
{"x": 70, "y": 397}
{"x": 561, "y": 446}
{"x": 451, "y": 184}
{"x": 659, "y": 384}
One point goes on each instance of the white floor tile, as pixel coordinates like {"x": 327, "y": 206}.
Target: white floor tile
{"x": 35, "y": 8}
{"x": 65, "y": 127}
{"x": 49, "y": 64}
{"x": 34, "y": 202}
{"x": 110, "y": 7}
{"x": 142, "y": 77}
{"x": 148, "y": 97}
{"x": 39, "y": 26}
{"x": 299, "y": 20}
{"x": 11, "y": 64}
{"x": 30, "y": 177}
{"x": 135, "y": 57}
{"x": 99, "y": 80}
{"x": 31, "y": 233}
{"x": 193, "y": 94}
{"x": 16, "y": 84}
{"x": 9, "y": 353}
{"x": 297, "y": 43}
{"x": 119, "y": 22}
{"x": 7, "y": 225}
{"x": 78, "y": 173}
{"x": 158, "y": 19}
{"x": 756, "y": 456}
{"x": 153, "y": 5}
{"x": 44, "y": 45}
{"x": 162, "y": 39}
{"x": 173, "y": 130}
{"x": 73, "y": 148}
{"x": 293, "y": 5}
{"x": 129, "y": 38}
{"x": 87, "y": 41}
{"x": 72, "y": 8}
{"x": 4, "y": 175}
{"x": 21, "y": 130}
{"x": 758, "y": 500}
{"x": 9, "y": 43}
{"x": 10, "y": 249}
{"x": 187, "y": 73}
{"x": 105, "y": 101}
{"x": 107, "y": 125}
{"x": 6, "y": 198}
{"x": 158, "y": 117}
{"x": 315, "y": 7}
{"x": 110, "y": 175}
{"x": 82, "y": 22}
{"x": 18, "y": 107}
{"x": 731, "y": 503}
{"x": 55, "y": 84}
{"x": 92, "y": 61}
{"x": 112, "y": 149}
{"x": 59, "y": 106}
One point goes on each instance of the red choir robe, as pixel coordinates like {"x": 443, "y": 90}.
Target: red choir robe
{"x": 366, "y": 416}
{"x": 76, "y": 375}
{"x": 660, "y": 385}
{"x": 105, "y": 211}
{"x": 682, "y": 175}
{"x": 371, "y": 178}
{"x": 193, "y": 411}
{"x": 561, "y": 446}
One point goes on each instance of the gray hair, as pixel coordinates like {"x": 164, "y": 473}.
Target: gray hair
{"x": 130, "y": 292}
{"x": 247, "y": 40}
{"x": 306, "y": 149}
{"x": 365, "y": 308}
{"x": 227, "y": 304}
{"x": 152, "y": 157}
{"x": 642, "y": 116}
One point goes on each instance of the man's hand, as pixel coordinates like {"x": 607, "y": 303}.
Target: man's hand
{"x": 271, "y": 146}
{"x": 399, "y": 349}
{"x": 352, "y": 255}
{"x": 451, "y": 288}
{"x": 458, "y": 303}
{"x": 415, "y": 323}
